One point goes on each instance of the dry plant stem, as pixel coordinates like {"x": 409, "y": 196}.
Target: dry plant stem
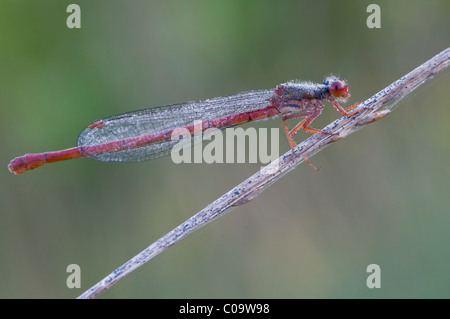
{"x": 253, "y": 186}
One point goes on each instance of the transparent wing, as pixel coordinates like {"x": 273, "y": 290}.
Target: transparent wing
{"x": 159, "y": 119}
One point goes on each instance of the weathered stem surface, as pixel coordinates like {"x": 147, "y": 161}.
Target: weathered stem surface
{"x": 256, "y": 184}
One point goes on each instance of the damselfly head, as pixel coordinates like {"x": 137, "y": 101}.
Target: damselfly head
{"x": 337, "y": 88}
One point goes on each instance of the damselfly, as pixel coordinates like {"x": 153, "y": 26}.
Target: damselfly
{"x": 146, "y": 134}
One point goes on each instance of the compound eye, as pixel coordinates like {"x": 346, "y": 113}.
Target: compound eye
{"x": 338, "y": 89}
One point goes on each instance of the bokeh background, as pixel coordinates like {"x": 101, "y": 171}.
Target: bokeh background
{"x": 381, "y": 196}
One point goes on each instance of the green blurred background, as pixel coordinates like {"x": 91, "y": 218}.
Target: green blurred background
{"x": 381, "y": 196}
